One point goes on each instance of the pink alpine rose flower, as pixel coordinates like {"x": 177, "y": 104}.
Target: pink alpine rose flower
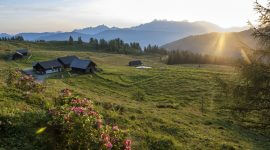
{"x": 127, "y": 144}
{"x": 108, "y": 145}
{"x": 115, "y": 128}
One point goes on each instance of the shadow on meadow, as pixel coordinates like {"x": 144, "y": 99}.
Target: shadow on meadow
{"x": 248, "y": 135}
{"x": 19, "y": 131}
{"x": 34, "y": 99}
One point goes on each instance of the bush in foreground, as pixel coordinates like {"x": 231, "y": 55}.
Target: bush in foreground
{"x": 72, "y": 123}
{"x": 23, "y": 82}
{"x": 77, "y": 125}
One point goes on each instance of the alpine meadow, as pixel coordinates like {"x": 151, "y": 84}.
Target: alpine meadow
{"x": 102, "y": 75}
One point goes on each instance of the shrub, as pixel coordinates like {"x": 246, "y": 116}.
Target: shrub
{"x": 12, "y": 76}
{"x": 77, "y": 125}
{"x": 26, "y": 86}
{"x": 23, "y": 82}
{"x": 248, "y": 94}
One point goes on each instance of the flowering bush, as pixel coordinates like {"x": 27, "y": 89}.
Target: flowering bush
{"x": 79, "y": 126}
{"x": 28, "y": 83}
{"x": 27, "y": 87}
{"x": 23, "y": 82}
{"x": 12, "y": 76}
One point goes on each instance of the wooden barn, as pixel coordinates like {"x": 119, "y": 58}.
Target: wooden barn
{"x": 47, "y": 67}
{"x": 135, "y": 63}
{"x": 67, "y": 60}
{"x": 19, "y": 54}
{"x": 83, "y": 66}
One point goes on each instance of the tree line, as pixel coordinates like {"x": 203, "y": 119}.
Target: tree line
{"x": 13, "y": 38}
{"x": 155, "y": 49}
{"x": 117, "y": 45}
{"x": 187, "y": 57}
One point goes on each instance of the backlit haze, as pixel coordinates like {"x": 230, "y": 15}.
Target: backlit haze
{"x": 65, "y": 15}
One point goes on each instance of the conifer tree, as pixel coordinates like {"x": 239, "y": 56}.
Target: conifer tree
{"x": 80, "y": 42}
{"x": 250, "y": 93}
{"x": 262, "y": 31}
{"x": 70, "y": 41}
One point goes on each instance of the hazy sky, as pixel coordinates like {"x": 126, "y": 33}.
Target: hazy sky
{"x": 65, "y": 15}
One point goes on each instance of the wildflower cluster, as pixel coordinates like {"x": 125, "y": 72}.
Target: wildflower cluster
{"x": 12, "y": 76}
{"x": 23, "y": 82}
{"x": 113, "y": 138}
{"x": 80, "y": 126}
{"x": 65, "y": 93}
{"x": 106, "y": 140}
{"x": 127, "y": 145}
{"x": 81, "y": 102}
{"x": 28, "y": 83}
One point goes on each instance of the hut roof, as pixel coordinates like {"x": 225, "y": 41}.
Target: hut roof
{"x": 18, "y": 53}
{"x": 22, "y": 51}
{"x": 67, "y": 60}
{"x": 50, "y": 64}
{"x": 82, "y": 64}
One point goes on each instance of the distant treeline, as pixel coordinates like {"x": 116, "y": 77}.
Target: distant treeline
{"x": 155, "y": 49}
{"x": 117, "y": 45}
{"x": 186, "y": 57}
{"x": 13, "y": 38}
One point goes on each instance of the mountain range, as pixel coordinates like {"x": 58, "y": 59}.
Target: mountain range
{"x": 94, "y": 30}
{"x": 157, "y": 32}
{"x": 4, "y": 35}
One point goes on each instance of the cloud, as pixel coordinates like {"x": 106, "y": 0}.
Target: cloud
{"x": 21, "y": 6}
{"x": 30, "y": 9}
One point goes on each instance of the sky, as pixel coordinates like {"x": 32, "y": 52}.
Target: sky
{"x": 65, "y": 15}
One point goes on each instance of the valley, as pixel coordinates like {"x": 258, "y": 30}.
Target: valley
{"x": 170, "y": 116}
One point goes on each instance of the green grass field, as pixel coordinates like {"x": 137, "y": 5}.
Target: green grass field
{"x": 170, "y": 115}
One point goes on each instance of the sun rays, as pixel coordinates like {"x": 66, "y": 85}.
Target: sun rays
{"x": 220, "y": 44}
{"x": 245, "y": 56}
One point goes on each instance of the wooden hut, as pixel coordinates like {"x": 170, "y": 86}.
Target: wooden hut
{"x": 47, "y": 67}
{"x": 19, "y": 54}
{"x": 83, "y": 66}
{"x": 135, "y": 63}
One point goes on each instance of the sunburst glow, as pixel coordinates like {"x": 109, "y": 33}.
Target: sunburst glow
{"x": 245, "y": 56}
{"x": 65, "y": 15}
{"x": 220, "y": 44}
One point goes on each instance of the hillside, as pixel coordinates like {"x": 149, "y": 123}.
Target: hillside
{"x": 143, "y": 37}
{"x": 169, "y": 117}
{"x": 177, "y": 26}
{"x": 64, "y": 36}
{"x": 35, "y": 36}
{"x": 221, "y": 44}
{"x": 4, "y": 35}
{"x": 157, "y": 32}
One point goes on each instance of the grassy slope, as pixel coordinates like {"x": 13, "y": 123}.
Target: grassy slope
{"x": 180, "y": 89}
